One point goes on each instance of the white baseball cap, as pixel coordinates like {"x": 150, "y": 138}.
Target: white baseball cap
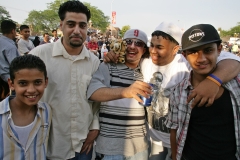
{"x": 171, "y": 29}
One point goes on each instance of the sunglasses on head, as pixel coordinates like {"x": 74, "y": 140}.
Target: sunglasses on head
{"x": 137, "y": 43}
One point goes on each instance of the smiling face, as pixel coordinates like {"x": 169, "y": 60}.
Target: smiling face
{"x": 29, "y": 85}
{"x": 203, "y": 59}
{"x": 74, "y": 28}
{"x": 134, "y": 51}
{"x": 162, "y": 51}
{"x": 25, "y": 33}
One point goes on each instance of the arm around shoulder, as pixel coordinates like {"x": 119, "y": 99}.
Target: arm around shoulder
{"x": 227, "y": 69}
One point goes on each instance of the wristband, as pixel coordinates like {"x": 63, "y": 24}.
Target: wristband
{"x": 215, "y": 79}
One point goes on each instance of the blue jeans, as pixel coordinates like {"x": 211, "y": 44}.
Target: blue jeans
{"x": 158, "y": 152}
{"x": 138, "y": 156}
{"x": 83, "y": 156}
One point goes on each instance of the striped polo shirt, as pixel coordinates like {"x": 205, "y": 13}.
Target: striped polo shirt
{"x": 122, "y": 122}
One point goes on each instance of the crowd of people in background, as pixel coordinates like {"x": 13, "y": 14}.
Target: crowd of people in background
{"x": 97, "y": 43}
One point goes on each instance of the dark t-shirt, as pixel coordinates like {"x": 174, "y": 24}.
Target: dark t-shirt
{"x": 107, "y": 45}
{"x": 211, "y": 133}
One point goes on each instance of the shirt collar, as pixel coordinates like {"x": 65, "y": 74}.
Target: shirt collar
{"x": 123, "y": 66}
{"x": 8, "y": 39}
{"x": 59, "y": 50}
{"x": 187, "y": 83}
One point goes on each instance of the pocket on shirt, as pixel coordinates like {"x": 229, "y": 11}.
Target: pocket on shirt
{"x": 44, "y": 132}
{"x": 84, "y": 82}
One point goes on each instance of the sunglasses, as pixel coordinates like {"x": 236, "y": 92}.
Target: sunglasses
{"x": 137, "y": 43}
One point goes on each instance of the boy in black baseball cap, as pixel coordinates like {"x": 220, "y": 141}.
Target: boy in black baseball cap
{"x": 204, "y": 132}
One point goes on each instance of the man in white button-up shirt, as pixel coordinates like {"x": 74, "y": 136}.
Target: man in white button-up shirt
{"x": 70, "y": 67}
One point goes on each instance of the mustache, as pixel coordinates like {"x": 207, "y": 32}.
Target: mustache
{"x": 75, "y": 36}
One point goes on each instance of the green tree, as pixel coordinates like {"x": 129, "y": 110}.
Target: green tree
{"x": 46, "y": 20}
{"x": 4, "y": 14}
{"x": 124, "y": 29}
{"x": 99, "y": 20}
{"x": 234, "y": 31}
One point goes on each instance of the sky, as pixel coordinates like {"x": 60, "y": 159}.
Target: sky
{"x": 146, "y": 15}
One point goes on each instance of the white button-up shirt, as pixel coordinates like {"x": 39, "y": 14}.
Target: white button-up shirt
{"x": 73, "y": 115}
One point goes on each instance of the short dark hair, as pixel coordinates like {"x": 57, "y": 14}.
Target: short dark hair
{"x": 165, "y": 36}
{"x": 28, "y": 61}
{"x": 54, "y": 30}
{"x": 73, "y": 6}
{"x": 7, "y": 26}
{"x": 147, "y": 53}
{"x": 22, "y": 27}
{"x": 45, "y": 34}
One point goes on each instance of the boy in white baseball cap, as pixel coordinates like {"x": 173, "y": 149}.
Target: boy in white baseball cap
{"x": 165, "y": 43}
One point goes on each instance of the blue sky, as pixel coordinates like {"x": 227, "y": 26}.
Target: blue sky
{"x": 147, "y": 14}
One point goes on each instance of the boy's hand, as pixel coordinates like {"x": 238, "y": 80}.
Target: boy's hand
{"x": 88, "y": 144}
{"x": 204, "y": 93}
{"x": 111, "y": 57}
{"x": 136, "y": 89}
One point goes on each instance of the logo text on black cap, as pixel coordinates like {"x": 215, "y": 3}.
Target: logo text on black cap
{"x": 196, "y": 35}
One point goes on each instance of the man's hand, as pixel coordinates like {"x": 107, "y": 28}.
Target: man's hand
{"x": 111, "y": 57}
{"x": 136, "y": 89}
{"x": 204, "y": 93}
{"x": 88, "y": 144}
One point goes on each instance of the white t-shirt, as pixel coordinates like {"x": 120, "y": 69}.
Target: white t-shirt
{"x": 25, "y": 46}
{"x": 23, "y": 131}
{"x": 173, "y": 73}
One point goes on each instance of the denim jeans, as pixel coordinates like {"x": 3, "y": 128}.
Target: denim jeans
{"x": 83, "y": 156}
{"x": 138, "y": 156}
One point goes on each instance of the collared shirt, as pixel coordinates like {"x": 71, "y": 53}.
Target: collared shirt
{"x": 54, "y": 39}
{"x": 25, "y": 46}
{"x": 36, "y": 147}
{"x": 180, "y": 111}
{"x": 68, "y": 79}
{"x": 8, "y": 51}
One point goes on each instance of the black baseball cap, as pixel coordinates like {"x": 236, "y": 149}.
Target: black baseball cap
{"x": 199, "y": 35}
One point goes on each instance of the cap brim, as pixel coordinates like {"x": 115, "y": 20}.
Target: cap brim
{"x": 200, "y": 44}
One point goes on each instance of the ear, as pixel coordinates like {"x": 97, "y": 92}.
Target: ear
{"x": 144, "y": 50}
{"x": 10, "y": 84}
{"x": 13, "y": 31}
{"x": 175, "y": 49}
{"x": 219, "y": 49}
{"x": 46, "y": 82}
{"x": 61, "y": 23}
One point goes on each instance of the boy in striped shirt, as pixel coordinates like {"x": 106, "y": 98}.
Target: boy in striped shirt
{"x": 24, "y": 120}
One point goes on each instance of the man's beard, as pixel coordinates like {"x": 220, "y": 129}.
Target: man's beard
{"x": 76, "y": 44}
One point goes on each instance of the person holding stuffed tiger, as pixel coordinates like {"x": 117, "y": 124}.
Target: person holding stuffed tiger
{"x": 122, "y": 122}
